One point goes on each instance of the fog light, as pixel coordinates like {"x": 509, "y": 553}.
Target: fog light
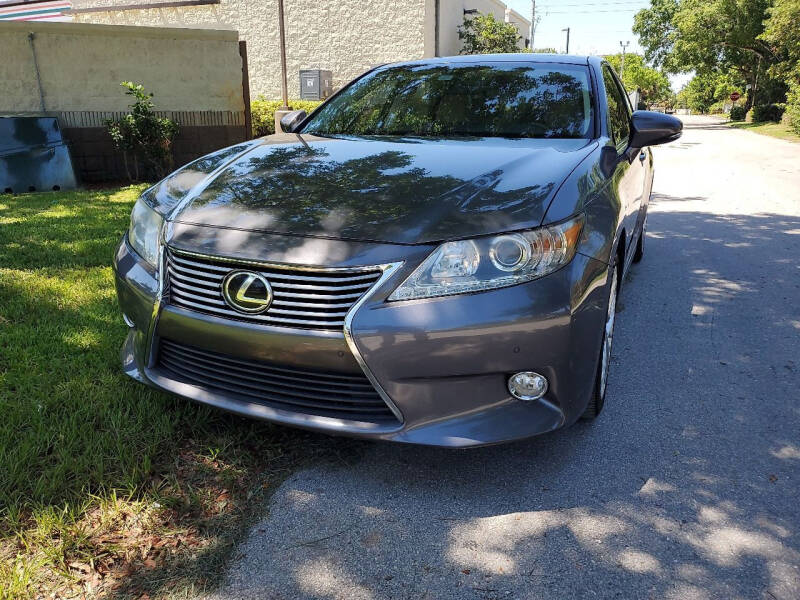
{"x": 527, "y": 386}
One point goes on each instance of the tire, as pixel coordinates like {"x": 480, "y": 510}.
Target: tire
{"x": 638, "y": 255}
{"x": 598, "y": 399}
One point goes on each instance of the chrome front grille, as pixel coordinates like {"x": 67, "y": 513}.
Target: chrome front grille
{"x": 302, "y": 298}
{"x": 307, "y": 391}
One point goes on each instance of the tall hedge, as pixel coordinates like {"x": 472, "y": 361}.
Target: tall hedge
{"x": 738, "y": 113}
{"x": 263, "y": 113}
{"x": 792, "y": 115}
{"x": 763, "y": 113}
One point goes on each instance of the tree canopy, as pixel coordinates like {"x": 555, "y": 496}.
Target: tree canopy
{"x": 708, "y": 89}
{"x": 484, "y": 34}
{"x": 782, "y": 33}
{"x": 637, "y": 74}
{"x": 745, "y": 37}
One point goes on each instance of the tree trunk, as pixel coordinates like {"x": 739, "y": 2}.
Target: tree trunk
{"x": 125, "y": 162}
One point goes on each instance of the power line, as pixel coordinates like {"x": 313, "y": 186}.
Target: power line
{"x": 587, "y": 12}
{"x": 593, "y": 35}
{"x": 629, "y": 3}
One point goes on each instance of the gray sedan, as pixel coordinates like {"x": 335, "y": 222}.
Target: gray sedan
{"x": 433, "y": 256}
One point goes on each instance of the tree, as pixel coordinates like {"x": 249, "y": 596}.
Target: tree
{"x": 707, "y": 92}
{"x": 708, "y": 36}
{"x": 656, "y": 32}
{"x": 698, "y": 94}
{"x": 483, "y": 34}
{"x": 782, "y": 33}
{"x": 142, "y": 133}
{"x": 653, "y": 83}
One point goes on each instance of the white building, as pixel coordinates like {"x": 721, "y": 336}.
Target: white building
{"x": 346, "y": 37}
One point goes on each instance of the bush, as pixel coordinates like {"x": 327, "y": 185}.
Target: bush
{"x": 144, "y": 135}
{"x": 738, "y": 113}
{"x": 484, "y": 34}
{"x": 768, "y": 112}
{"x": 791, "y": 118}
{"x": 792, "y": 115}
{"x": 263, "y": 113}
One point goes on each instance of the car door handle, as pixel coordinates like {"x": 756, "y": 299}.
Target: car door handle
{"x": 642, "y": 156}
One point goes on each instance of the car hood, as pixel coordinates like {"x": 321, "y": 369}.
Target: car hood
{"x": 404, "y": 191}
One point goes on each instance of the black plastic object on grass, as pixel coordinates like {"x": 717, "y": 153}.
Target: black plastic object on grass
{"x": 33, "y": 156}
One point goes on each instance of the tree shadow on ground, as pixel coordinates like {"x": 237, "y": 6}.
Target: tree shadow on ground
{"x": 683, "y": 488}
{"x": 707, "y": 125}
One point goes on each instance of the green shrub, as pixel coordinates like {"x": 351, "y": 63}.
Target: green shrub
{"x": 263, "y": 113}
{"x": 792, "y": 115}
{"x": 791, "y": 118}
{"x": 738, "y": 113}
{"x": 144, "y": 135}
{"x": 484, "y": 34}
{"x": 768, "y": 112}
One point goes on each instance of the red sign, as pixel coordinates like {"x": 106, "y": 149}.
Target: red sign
{"x": 735, "y": 96}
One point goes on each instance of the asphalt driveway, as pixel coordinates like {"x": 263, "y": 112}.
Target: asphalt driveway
{"x": 685, "y": 487}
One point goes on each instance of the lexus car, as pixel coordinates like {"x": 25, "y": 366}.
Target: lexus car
{"x": 433, "y": 256}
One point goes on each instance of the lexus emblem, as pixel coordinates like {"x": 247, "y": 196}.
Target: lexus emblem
{"x": 247, "y": 292}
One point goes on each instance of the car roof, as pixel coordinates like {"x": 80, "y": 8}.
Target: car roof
{"x": 569, "y": 59}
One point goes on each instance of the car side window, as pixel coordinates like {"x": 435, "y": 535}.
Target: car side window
{"x": 618, "y": 112}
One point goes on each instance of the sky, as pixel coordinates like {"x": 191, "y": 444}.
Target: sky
{"x": 595, "y": 27}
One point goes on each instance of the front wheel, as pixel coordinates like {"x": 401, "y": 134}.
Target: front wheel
{"x": 601, "y": 380}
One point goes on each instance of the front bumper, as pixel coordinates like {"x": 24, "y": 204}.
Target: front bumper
{"x": 442, "y": 364}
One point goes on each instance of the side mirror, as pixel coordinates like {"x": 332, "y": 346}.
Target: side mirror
{"x": 291, "y": 120}
{"x": 652, "y": 128}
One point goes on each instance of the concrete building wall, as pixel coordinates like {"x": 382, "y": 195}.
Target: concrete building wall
{"x": 495, "y": 7}
{"x": 81, "y": 67}
{"x": 522, "y": 24}
{"x": 196, "y": 76}
{"x": 345, "y": 36}
{"x": 451, "y": 16}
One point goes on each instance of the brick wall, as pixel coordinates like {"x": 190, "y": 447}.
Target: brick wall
{"x": 96, "y": 160}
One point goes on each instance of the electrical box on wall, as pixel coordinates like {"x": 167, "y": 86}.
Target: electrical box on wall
{"x": 315, "y": 84}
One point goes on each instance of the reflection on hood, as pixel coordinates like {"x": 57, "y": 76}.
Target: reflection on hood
{"x": 380, "y": 189}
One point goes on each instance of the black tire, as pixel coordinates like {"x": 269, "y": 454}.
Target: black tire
{"x": 638, "y": 255}
{"x": 598, "y": 399}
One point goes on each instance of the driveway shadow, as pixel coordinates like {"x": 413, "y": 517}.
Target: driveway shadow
{"x": 685, "y": 487}
{"x": 717, "y": 125}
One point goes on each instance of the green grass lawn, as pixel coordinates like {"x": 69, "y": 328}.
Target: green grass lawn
{"x": 776, "y": 130}
{"x": 108, "y": 487}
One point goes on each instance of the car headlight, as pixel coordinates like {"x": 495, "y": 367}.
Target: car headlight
{"x": 145, "y": 231}
{"x": 492, "y": 262}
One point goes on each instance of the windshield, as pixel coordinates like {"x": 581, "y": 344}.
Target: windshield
{"x": 463, "y": 99}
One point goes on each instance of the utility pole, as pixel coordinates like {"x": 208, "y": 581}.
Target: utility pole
{"x": 622, "y": 66}
{"x": 533, "y": 21}
{"x": 567, "y": 50}
{"x": 284, "y": 86}
{"x": 282, "y": 33}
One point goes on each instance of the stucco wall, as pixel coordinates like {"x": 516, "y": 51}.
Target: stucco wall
{"x": 345, "y": 36}
{"x": 81, "y": 67}
{"x": 522, "y": 24}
